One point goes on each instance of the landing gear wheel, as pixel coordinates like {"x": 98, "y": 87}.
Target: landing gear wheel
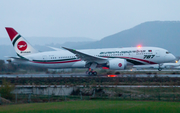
{"x": 94, "y": 73}
{"x": 90, "y": 73}
{"x": 160, "y": 67}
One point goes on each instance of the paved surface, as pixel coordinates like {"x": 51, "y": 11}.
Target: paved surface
{"x": 109, "y": 86}
{"x": 81, "y": 75}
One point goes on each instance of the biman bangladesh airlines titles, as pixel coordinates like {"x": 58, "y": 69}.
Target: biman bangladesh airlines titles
{"x": 111, "y": 58}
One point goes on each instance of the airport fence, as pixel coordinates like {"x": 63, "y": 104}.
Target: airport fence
{"x": 55, "y": 89}
{"x": 114, "y": 92}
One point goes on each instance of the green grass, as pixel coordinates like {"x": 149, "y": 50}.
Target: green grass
{"x": 94, "y": 107}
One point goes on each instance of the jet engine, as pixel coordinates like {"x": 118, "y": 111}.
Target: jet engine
{"x": 117, "y": 64}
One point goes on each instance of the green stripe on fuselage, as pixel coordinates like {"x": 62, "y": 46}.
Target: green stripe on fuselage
{"x": 134, "y": 62}
{"x": 129, "y": 60}
{"x": 47, "y": 60}
{"x": 54, "y": 60}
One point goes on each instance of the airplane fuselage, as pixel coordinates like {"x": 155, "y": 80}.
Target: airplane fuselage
{"x": 66, "y": 59}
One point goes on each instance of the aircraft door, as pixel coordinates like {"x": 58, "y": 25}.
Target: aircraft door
{"x": 44, "y": 58}
{"x": 157, "y": 53}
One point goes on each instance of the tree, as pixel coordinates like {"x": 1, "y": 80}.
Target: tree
{"x": 5, "y": 90}
{"x": 11, "y": 67}
{"x": 2, "y": 65}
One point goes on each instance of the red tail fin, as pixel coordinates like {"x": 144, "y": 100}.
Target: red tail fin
{"x": 21, "y": 46}
{"x": 11, "y": 32}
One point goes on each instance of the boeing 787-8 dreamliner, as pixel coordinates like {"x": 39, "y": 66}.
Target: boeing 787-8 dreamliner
{"x": 109, "y": 58}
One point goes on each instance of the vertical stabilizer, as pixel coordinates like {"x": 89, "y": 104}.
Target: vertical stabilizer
{"x": 21, "y": 46}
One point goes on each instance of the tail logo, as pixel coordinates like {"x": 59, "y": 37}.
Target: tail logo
{"x": 22, "y": 46}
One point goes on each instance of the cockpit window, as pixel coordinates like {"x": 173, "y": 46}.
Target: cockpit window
{"x": 167, "y": 52}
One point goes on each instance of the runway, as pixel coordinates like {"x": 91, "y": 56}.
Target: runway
{"x": 98, "y": 86}
{"x": 44, "y": 75}
{"x": 82, "y": 75}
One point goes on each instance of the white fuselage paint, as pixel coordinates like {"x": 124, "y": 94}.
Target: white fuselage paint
{"x": 66, "y": 59}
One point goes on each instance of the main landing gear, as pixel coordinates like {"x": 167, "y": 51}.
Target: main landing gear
{"x": 91, "y": 73}
{"x": 90, "y": 70}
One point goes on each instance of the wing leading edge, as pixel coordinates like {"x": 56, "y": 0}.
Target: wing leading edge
{"x": 87, "y": 57}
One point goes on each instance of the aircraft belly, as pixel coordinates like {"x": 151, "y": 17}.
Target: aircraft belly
{"x": 55, "y": 65}
{"x": 60, "y": 65}
{"x": 80, "y": 64}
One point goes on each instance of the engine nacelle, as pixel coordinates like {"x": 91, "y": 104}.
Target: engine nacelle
{"x": 117, "y": 64}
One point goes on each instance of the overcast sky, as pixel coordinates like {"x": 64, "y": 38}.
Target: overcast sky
{"x": 95, "y": 19}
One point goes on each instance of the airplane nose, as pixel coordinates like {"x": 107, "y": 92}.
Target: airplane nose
{"x": 172, "y": 57}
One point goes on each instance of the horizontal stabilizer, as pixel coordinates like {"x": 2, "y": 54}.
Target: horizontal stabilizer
{"x": 57, "y": 49}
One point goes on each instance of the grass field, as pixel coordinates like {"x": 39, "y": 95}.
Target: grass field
{"x": 94, "y": 106}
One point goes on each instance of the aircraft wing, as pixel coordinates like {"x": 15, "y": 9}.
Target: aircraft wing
{"x": 86, "y": 57}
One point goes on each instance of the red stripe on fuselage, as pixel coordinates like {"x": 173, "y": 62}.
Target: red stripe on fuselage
{"x": 55, "y": 62}
{"x": 11, "y": 32}
{"x": 80, "y": 60}
{"x": 136, "y": 59}
{"x": 140, "y": 60}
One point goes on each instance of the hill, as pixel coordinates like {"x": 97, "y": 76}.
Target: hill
{"x": 164, "y": 34}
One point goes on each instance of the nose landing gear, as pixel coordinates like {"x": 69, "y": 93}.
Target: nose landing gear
{"x": 160, "y": 67}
